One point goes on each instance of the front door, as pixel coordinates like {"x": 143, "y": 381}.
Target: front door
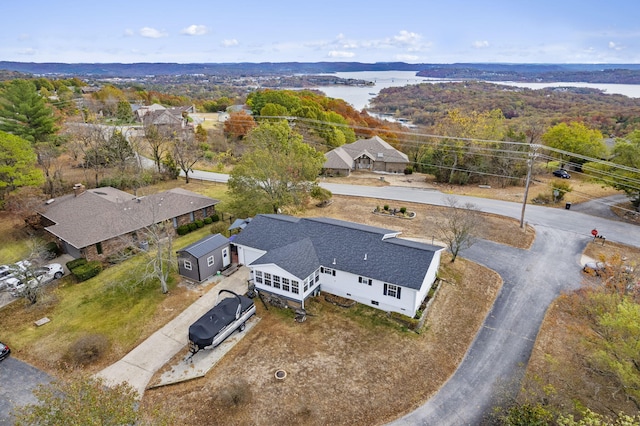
{"x": 226, "y": 259}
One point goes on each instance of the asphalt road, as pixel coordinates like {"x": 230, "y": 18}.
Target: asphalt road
{"x": 17, "y": 382}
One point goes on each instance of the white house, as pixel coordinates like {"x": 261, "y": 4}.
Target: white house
{"x": 295, "y": 258}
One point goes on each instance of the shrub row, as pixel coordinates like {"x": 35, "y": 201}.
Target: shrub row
{"x": 189, "y": 227}
{"x": 83, "y": 270}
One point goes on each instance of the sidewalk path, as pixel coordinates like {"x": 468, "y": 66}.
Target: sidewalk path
{"x": 138, "y": 366}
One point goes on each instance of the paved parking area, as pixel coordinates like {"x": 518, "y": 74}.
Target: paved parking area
{"x": 17, "y": 382}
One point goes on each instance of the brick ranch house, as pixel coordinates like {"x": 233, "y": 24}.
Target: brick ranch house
{"x": 295, "y": 258}
{"x": 100, "y": 222}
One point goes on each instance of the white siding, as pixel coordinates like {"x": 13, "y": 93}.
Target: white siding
{"x": 347, "y": 285}
{"x": 275, "y": 270}
{"x": 246, "y": 255}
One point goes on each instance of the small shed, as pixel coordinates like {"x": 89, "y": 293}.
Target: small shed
{"x": 204, "y": 258}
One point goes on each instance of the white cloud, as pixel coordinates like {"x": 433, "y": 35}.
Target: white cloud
{"x": 24, "y": 37}
{"x": 614, "y": 46}
{"x": 230, "y": 42}
{"x": 152, "y": 32}
{"x": 340, "y": 54}
{"x": 195, "y": 30}
{"x": 480, "y": 44}
{"x": 27, "y": 52}
{"x": 129, "y": 32}
{"x": 407, "y": 38}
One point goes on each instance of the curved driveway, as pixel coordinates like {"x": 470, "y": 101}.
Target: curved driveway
{"x": 532, "y": 278}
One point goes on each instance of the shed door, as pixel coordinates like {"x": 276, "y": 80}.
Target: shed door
{"x": 226, "y": 259}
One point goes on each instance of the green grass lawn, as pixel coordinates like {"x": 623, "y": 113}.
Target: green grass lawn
{"x": 110, "y": 304}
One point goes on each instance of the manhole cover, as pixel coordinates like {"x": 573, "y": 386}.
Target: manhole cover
{"x": 281, "y": 374}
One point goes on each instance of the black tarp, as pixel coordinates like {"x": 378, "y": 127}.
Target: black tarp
{"x": 206, "y": 328}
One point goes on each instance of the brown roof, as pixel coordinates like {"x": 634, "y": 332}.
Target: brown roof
{"x": 376, "y": 148}
{"x": 103, "y": 213}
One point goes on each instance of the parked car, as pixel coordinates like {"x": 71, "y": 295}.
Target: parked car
{"x": 42, "y": 275}
{"x": 4, "y": 351}
{"x": 562, "y": 173}
{"x": 9, "y": 271}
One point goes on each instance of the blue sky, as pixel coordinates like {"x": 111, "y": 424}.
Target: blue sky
{"x": 515, "y": 31}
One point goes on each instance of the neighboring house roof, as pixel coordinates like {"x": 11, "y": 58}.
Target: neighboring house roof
{"x": 239, "y": 224}
{"x": 338, "y": 159}
{"x": 100, "y": 214}
{"x": 375, "y": 148}
{"x": 205, "y": 245}
{"x": 162, "y": 117}
{"x": 301, "y": 245}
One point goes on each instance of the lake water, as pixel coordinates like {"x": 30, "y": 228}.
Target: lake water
{"x": 359, "y": 97}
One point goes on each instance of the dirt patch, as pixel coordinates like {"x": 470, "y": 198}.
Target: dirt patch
{"x": 344, "y": 365}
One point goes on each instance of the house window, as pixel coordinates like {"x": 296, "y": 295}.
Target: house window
{"x": 294, "y": 287}
{"x": 175, "y": 222}
{"x": 187, "y": 265}
{"x": 204, "y": 212}
{"x": 329, "y": 271}
{"x": 258, "y": 275}
{"x": 210, "y": 261}
{"x": 267, "y": 279}
{"x": 285, "y": 284}
{"x": 306, "y": 285}
{"x": 392, "y": 290}
{"x": 99, "y": 248}
{"x": 363, "y": 280}
{"x": 276, "y": 281}
{"x": 192, "y": 216}
{"x": 317, "y": 273}
{"x": 374, "y": 303}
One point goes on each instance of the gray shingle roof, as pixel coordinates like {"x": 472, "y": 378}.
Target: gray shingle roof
{"x": 359, "y": 249}
{"x": 376, "y": 148}
{"x": 103, "y": 213}
{"x": 205, "y": 245}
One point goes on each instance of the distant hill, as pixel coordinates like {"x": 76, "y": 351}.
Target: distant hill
{"x": 480, "y": 71}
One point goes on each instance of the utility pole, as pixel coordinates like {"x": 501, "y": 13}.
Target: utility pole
{"x": 533, "y": 153}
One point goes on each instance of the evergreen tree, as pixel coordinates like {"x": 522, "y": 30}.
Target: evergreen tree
{"x": 24, "y": 113}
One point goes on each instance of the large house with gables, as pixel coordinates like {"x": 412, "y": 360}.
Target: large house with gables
{"x": 295, "y": 258}
{"x": 372, "y": 155}
{"x": 100, "y": 222}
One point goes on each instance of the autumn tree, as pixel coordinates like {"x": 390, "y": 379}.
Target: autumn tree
{"x": 24, "y": 112}
{"x": 109, "y": 98}
{"x": 458, "y": 226}
{"x": 17, "y": 164}
{"x": 239, "y": 125}
{"x": 469, "y": 145}
{"x": 47, "y": 154}
{"x": 280, "y": 171}
{"x": 574, "y": 138}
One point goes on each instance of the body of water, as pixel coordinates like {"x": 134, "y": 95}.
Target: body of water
{"x": 359, "y": 97}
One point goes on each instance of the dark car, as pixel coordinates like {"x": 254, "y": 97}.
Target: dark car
{"x": 4, "y": 351}
{"x": 562, "y": 173}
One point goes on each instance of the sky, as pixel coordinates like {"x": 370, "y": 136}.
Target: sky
{"x": 422, "y": 31}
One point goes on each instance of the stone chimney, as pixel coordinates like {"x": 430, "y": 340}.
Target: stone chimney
{"x": 78, "y": 189}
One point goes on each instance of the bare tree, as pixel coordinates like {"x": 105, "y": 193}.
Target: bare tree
{"x": 27, "y": 276}
{"x": 158, "y": 141}
{"x": 458, "y": 226}
{"x": 90, "y": 141}
{"x": 186, "y": 152}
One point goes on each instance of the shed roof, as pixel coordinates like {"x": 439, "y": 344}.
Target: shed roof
{"x": 206, "y": 245}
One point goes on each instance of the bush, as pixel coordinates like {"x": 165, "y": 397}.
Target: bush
{"x": 559, "y": 189}
{"x": 88, "y": 270}
{"x": 199, "y": 223}
{"x": 182, "y": 229}
{"x": 386, "y": 207}
{"x": 86, "y": 350}
{"x": 408, "y": 170}
{"x": 208, "y": 221}
{"x": 403, "y": 210}
{"x": 52, "y": 250}
{"x": 192, "y": 226}
{"x": 215, "y": 217}
{"x": 72, "y": 264}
